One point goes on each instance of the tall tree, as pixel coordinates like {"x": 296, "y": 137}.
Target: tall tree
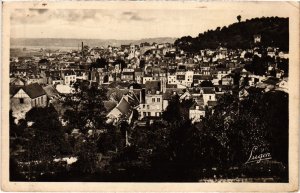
{"x": 239, "y": 17}
{"x": 85, "y": 108}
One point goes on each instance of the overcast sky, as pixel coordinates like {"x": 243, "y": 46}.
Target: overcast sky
{"x": 135, "y": 23}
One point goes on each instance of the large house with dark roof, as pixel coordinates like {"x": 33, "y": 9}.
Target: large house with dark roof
{"x": 25, "y": 98}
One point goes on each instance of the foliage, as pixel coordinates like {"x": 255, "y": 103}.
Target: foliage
{"x": 206, "y": 83}
{"x": 273, "y": 30}
{"x": 100, "y": 63}
{"x": 85, "y": 108}
{"x": 46, "y": 139}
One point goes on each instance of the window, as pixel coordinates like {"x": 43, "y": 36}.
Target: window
{"x": 209, "y": 97}
{"x": 153, "y": 100}
{"x": 149, "y": 114}
{"x": 148, "y": 106}
{"x": 144, "y": 114}
{"x": 158, "y": 100}
{"x": 21, "y": 100}
{"x": 42, "y": 100}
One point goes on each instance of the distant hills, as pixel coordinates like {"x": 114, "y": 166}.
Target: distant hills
{"x": 74, "y": 43}
{"x": 274, "y": 31}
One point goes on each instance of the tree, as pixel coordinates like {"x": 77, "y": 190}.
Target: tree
{"x": 100, "y": 63}
{"x": 172, "y": 112}
{"x": 239, "y": 17}
{"x": 47, "y": 139}
{"x": 206, "y": 83}
{"x": 85, "y": 108}
{"x": 86, "y": 112}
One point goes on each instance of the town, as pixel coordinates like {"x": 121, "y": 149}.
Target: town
{"x": 167, "y": 111}
{"x": 142, "y": 77}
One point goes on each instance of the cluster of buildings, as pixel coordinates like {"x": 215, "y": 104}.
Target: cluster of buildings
{"x": 146, "y": 75}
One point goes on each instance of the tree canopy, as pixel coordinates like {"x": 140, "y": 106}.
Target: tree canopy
{"x": 273, "y": 30}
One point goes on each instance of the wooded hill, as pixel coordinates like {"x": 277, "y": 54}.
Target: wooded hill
{"x": 274, "y": 31}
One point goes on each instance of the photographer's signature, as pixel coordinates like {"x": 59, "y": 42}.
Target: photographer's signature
{"x": 258, "y": 156}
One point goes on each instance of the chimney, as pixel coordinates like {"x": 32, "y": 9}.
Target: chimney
{"x": 142, "y": 95}
{"x": 82, "y": 49}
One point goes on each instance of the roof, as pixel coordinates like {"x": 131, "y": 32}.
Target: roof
{"x": 208, "y": 90}
{"x": 128, "y": 73}
{"x": 138, "y": 70}
{"x": 33, "y": 90}
{"x": 211, "y": 103}
{"x": 50, "y": 91}
{"x": 202, "y": 77}
{"x": 271, "y": 81}
{"x": 152, "y": 86}
{"x": 123, "y": 106}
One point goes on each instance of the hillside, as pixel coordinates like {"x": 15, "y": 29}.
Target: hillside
{"x": 274, "y": 31}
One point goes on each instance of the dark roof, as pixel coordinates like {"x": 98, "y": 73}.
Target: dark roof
{"x": 208, "y": 90}
{"x": 271, "y": 81}
{"x": 128, "y": 73}
{"x": 13, "y": 89}
{"x": 33, "y": 90}
{"x": 138, "y": 70}
{"x": 152, "y": 86}
{"x": 202, "y": 77}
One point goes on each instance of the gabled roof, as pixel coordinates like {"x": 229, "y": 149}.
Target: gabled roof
{"x": 32, "y": 90}
{"x": 123, "y": 106}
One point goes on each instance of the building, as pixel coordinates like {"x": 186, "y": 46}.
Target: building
{"x": 208, "y": 94}
{"x": 25, "y": 98}
{"x": 152, "y": 102}
{"x": 196, "y": 113}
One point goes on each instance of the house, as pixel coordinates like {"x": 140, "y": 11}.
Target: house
{"x": 147, "y": 78}
{"x": 124, "y": 108}
{"x": 189, "y": 78}
{"x": 25, "y": 98}
{"x": 172, "y": 79}
{"x": 198, "y": 78}
{"x": 127, "y": 76}
{"x": 152, "y": 103}
{"x": 196, "y": 113}
{"x": 186, "y": 95}
{"x": 227, "y": 80}
{"x": 209, "y": 94}
{"x": 138, "y": 75}
{"x": 69, "y": 76}
{"x": 17, "y": 82}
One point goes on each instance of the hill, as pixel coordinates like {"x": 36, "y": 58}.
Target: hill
{"x": 274, "y": 31}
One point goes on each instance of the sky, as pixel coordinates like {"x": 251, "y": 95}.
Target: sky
{"x": 124, "y": 23}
